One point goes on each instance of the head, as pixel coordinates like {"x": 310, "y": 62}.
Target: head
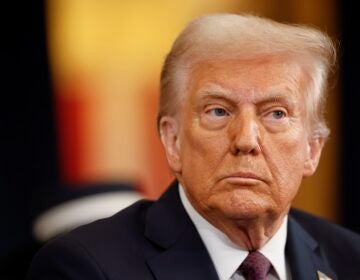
{"x": 241, "y": 112}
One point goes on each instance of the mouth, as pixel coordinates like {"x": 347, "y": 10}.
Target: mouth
{"x": 243, "y": 178}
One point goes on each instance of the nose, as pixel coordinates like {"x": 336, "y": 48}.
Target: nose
{"x": 244, "y": 134}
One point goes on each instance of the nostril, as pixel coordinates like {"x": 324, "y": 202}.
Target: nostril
{"x": 245, "y": 150}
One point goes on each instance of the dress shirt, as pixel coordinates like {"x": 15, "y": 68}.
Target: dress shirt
{"x": 227, "y": 256}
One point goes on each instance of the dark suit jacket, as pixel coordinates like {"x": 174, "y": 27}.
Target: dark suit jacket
{"x": 157, "y": 240}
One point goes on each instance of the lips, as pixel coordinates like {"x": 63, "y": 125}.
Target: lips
{"x": 244, "y": 176}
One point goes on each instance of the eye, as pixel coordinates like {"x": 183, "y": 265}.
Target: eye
{"x": 215, "y": 116}
{"x": 276, "y": 119}
{"x": 278, "y": 114}
{"x": 219, "y": 112}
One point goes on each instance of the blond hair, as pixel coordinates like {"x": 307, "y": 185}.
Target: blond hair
{"x": 232, "y": 36}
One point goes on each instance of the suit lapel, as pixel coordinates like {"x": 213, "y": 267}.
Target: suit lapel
{"x": 182, "y": 254}
{"x": 304, "y": 254}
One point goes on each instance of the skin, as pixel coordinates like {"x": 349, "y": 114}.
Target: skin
{"x": 240, "y": 146}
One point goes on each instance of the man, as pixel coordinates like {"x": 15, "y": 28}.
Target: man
{"x": 241, "y": 121}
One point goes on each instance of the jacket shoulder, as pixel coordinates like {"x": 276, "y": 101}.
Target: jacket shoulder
{"x": 130, "y": 220}
{"x": 340, "y": 245}
{"x": 104, "y": 249}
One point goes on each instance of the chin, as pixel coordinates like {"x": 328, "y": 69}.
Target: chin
{"x": 244, "y": 207}
{"x": 241, "y": 213}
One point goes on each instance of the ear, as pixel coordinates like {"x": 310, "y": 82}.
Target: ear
{"x": 314, "y": 150}
{"x": 169, "y": 134}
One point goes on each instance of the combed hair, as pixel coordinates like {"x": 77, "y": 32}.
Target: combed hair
{"x": 220, "y": 37}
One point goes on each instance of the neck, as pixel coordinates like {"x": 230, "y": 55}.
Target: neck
{"x": 249, "y": 234}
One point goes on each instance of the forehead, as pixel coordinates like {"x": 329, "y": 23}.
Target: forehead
{"x": 248, "y": 79}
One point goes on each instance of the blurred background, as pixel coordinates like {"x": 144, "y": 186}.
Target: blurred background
{"x": 78, "y": 111}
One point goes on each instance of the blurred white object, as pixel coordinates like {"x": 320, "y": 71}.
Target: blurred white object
{"x": 77, "y": 212}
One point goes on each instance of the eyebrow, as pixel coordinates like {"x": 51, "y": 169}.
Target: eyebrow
{"x": 217, "y": 91}
{"x": 288, "y": 99}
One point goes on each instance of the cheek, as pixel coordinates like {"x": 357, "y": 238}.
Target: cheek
{"x": 202, "y": 155}
{"x": 203, "y": 149}
{"x": 285, "y": 158}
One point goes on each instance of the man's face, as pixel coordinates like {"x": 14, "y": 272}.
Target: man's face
{"x": 240, "y": 144}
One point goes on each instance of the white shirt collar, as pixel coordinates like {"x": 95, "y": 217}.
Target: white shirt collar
{"x": 226, "y": 255}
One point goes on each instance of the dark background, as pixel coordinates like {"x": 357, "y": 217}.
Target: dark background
{"x": 28, "y": 161}
{"x": 350, "y": 122}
